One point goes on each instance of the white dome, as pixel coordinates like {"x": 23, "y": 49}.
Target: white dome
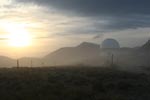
{"x": 110, "y": 43}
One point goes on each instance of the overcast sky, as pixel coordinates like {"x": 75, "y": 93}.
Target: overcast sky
{"x": 70, "y": 22}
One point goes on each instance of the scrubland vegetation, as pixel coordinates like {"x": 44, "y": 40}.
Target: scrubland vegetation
{"x": 73, "y": 83}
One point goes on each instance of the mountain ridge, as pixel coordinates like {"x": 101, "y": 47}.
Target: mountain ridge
{"x": 85, "y": 53}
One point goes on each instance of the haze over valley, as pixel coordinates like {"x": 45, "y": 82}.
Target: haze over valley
{"x": 74, "y": 49}
{"x": 87, "y": 54}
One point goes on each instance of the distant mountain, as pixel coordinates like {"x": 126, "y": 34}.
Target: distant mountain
{"x": 87, "y": 45}
{"x": 146, "y": 46}
{"x": 86, "y": 53}
{"x": 73, "y": 55}
{"x": 7, "y": 62}
{"x": 91, "y": 54}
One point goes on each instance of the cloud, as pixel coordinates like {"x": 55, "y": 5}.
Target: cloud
{"x": 98, "y": 7}
{"x": 100, "y": 36}
{"x": 121, "y": 14}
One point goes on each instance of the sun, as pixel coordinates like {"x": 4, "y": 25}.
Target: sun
{"x": 19, "y": 40}
{"x": 18, "y": 36}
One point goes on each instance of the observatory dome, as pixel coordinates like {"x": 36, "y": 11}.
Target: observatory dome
{"x": 110, "y": 43}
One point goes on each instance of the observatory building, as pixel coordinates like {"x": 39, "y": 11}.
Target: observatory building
{"x": 110, "y": 44}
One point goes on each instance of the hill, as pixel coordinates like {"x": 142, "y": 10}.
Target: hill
{"x": 88, "y": 54}
{"x": 92, "y": 55}
{"x": 146, "y": 46}
{"x": 7, "y": 62}
{"x": 73, "y": 55}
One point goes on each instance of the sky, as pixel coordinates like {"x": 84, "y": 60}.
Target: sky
{"x": 59, "y": 23}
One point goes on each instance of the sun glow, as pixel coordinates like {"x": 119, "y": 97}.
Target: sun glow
{"x": 19, "y": 39}
{"x": 18, "y": 36}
